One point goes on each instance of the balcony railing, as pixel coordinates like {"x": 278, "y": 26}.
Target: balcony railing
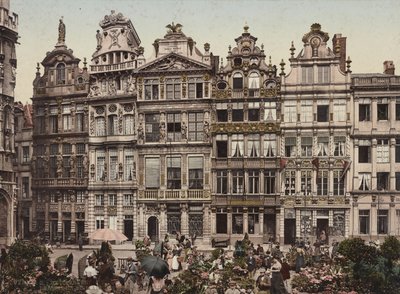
{"x": 113, "y": 67}
{"x": 64, "y": 182}
{"x": 173, "y": 194}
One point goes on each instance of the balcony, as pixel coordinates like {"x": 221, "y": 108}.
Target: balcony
{"x": 60, "y": 182}
{"x": 174, "y": 195}
{"x": 113, "y": 67}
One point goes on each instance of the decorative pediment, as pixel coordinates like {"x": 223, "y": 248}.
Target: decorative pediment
{"x": 315, "y": 31}
{"x": 173, "y": 62}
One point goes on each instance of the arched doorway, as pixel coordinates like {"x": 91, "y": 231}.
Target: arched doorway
{"x": 152, "y": 228}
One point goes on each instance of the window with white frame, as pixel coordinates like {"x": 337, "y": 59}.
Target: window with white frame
{"x": 174, "y": 127}
{"x": 324, "y": 74}
{"x": 306, "y": 182}
{"x": 339, "y": 145}
{"x": 253, "y": 145}
{"x": 364, "y": 221}
{"x": 100, "y": 126}
{"x": 306, "y": 113}
{"x": 100, "y": 161}
{"x": 79, "y": 118}
{"x": 290, "y": 146}
{"x": 237, "y": 182}
{"x": 99, "y": 222}
{"x": 112, "y": 199}
{"x": 112, "y": 125}
{"x": 129, "y": 165}
{"x": 306, "y": 146}
{"x": 151, "y": 89}
{"x": 173, "y": 172}
{"x": 129, "y": 124}
{"x": 253, "y": 113}
{"x": 290, "y": 182}
{"x": 254, "y": 182}
{"x": 364, "y": 151}
{"x": 269, "y": 145}
{"x": 113, "y": 164}
{"x": 99, "y": 199}
{"x": 338, "y": 183}
{"x": 222, "y": 182}
{"x": 152, "y": 173}
{"x": 80, "y": 196}
{"x": 67, "y": 118}
{"x": 339, "y": 110}
{"x": 269, "y": 182}
{"x": 254, "y": 80}
{"x": 237, "y": 147}
{"x": 322, "y": 182}
{"x": 383, "y": 109}
{"x": 128, "y": 199}
{"x": 53, "y": 118}
{"x": 307, "y": 74}
{"x": 323, "y": 146}
{"x": 195, "y": 126}
{"x": 383, "y": 221}
{"x": 382, "y": 150}
{"x": 364, "y": 181}
{"x": 237, "y": 81}
{"x": 196, "y": 172}
{"x": 173, "y": 88}
{"x": 364, "y": 109}
{"x": 195, "y": 88}
{"x": 290, "y": 111}
{"x": 152, "y": 126}
{"x": 270, "y": 111}
{"x": 112, "y": 222}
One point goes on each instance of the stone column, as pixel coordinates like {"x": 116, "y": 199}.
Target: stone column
{"x": 374, "y": 219}
{"x": 354, "y": 225}
{"x": 261, "y": 222}
{"x": 141, "y": 225}
{"x": 374, "y": 112}
{"x": 392, "y": 230}
{"x": 356, "y": 112}
{"x": 207, "y": 225}
{"x": 373, "y": 161}
{"x": 392, "y": 158}
{"x": 185, "y": 219}
{"x": 163, "y": 224}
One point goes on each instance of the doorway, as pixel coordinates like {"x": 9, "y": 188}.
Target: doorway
{"x": 128, "y": 228}
{"x": 152, "y": 228}
{"x": 290, "y": 231}
{"x": 323, "y": 225}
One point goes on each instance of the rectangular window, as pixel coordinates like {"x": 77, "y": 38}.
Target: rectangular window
{"x": 80, "y": 197}
{"x": 290, "y": 147}
{"x": 25, "y": 187}
{"x": 322, "y": 113}
{"x": 129, "y": 165}
{"x": 383, "y": 111}
{"x": 128, "y": 199}
{"x": 364, "y": 112}
{"x": 397, "y": 109}
{"x": 365, "y": 181}
{"x": 397, "y": 150}
{"x": 99, "y": 222}
{"x": 222, "y": 146}
{"x": 364, "y": 151}
{"x": 339, "y": 145}
{"x": 129, "y": 124}
{"x": 290, "y": 182}
{"x": 306, "y": 114}
{"x": 254, "y": 182}
{"x": 195, "y": 128}
{"x": 398, "y": 181}
{"x": 237, "y": 182}
{"x": 152, "y": 173}
{"x": 53, "y": 123}
{"x": 195, "y": 90}
{"x": 306, "y": 182}
{"x": 322, "y": 183}
{"x": 41, "y": 124}
{"x": 173, "y": 172}
{"x": 383, "y": 221}
{"x": 100, "y": 126}
{"x": 339, "y": 110}
{"x": 290, "y": 112}
{"x": 237, "y": 112}
{"x": 382, "y": 151}
{"x": 307, "y": 75}
{"x": 364, "y": 221}
{"x": 237, "y": 221}
{"x": 382, "y": 181}
{"x": 99, "y": 200}
{"x": 151, "y": 89}
{"x": 100, "y": 161}
{"x": 67, "y": 122}
{"x": 174, "y": 127}
{"x": 253, "y": 113}
{"x": 306, "y": 146}
{"x": 222, "y": 115}
{"x": 269, "y": 145}
{"x": 25, "y": 154}
{"x": 221, "y": 222}
{"x": 113, "y": 164}
{"x": 196, "y": 172}
{"x": 253, "y": 145}
{"x": 112, "y": 125}
{"x": 322, "y": 147}
{"x": 270, "y": 111}
{"x": 338, "y": 183}
{"x": 173, "y": 87}
{"x": 324, "y": 74}
{"x": 269, "y": 182}
{"x": 222, "y": 182}
{"x": 112, "y": 200}
{"x": 152, "y": 126}
{"x": 237, "y": 145}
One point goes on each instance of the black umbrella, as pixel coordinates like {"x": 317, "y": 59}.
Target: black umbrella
{"x": 155, "y": 266}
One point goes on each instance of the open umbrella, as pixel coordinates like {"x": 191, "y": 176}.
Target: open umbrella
{"x": 108, "y": 235}
{"x": 155, "y": 266}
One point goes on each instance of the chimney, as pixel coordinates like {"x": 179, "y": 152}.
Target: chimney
{"x": 388, "y": 67}
{"x": 339, "y": 47}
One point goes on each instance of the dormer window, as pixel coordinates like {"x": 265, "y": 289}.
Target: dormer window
{"x": 60, "y": 73}
{"x": 221, "y": 85}
{"x": 237, "y": 81}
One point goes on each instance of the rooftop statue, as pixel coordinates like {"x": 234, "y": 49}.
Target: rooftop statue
{"x": 174, "y": 28}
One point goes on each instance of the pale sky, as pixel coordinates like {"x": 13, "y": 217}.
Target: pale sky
{"x": 372, "y": 27}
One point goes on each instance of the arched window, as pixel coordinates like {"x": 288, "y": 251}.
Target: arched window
{"x": 60, "y": 73}
{"x": 254, "y": 81}
{"x": 237, "y": 81}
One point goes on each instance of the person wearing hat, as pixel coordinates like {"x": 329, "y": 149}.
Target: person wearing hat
{"x": 93, "y": 289}
{"x": 263, "y": 282}
{"x": 277, "y": 286}
{"x": 232, "y": 288}
{"x": 130, "y": 275}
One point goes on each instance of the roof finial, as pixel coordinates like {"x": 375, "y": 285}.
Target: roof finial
{"x": 270, "y": 61}
{"x": 246, "y": 27}
{"x": 292, "y": 49}
{"x": 37, "y": 67}
{"x": 348, "y": 62}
